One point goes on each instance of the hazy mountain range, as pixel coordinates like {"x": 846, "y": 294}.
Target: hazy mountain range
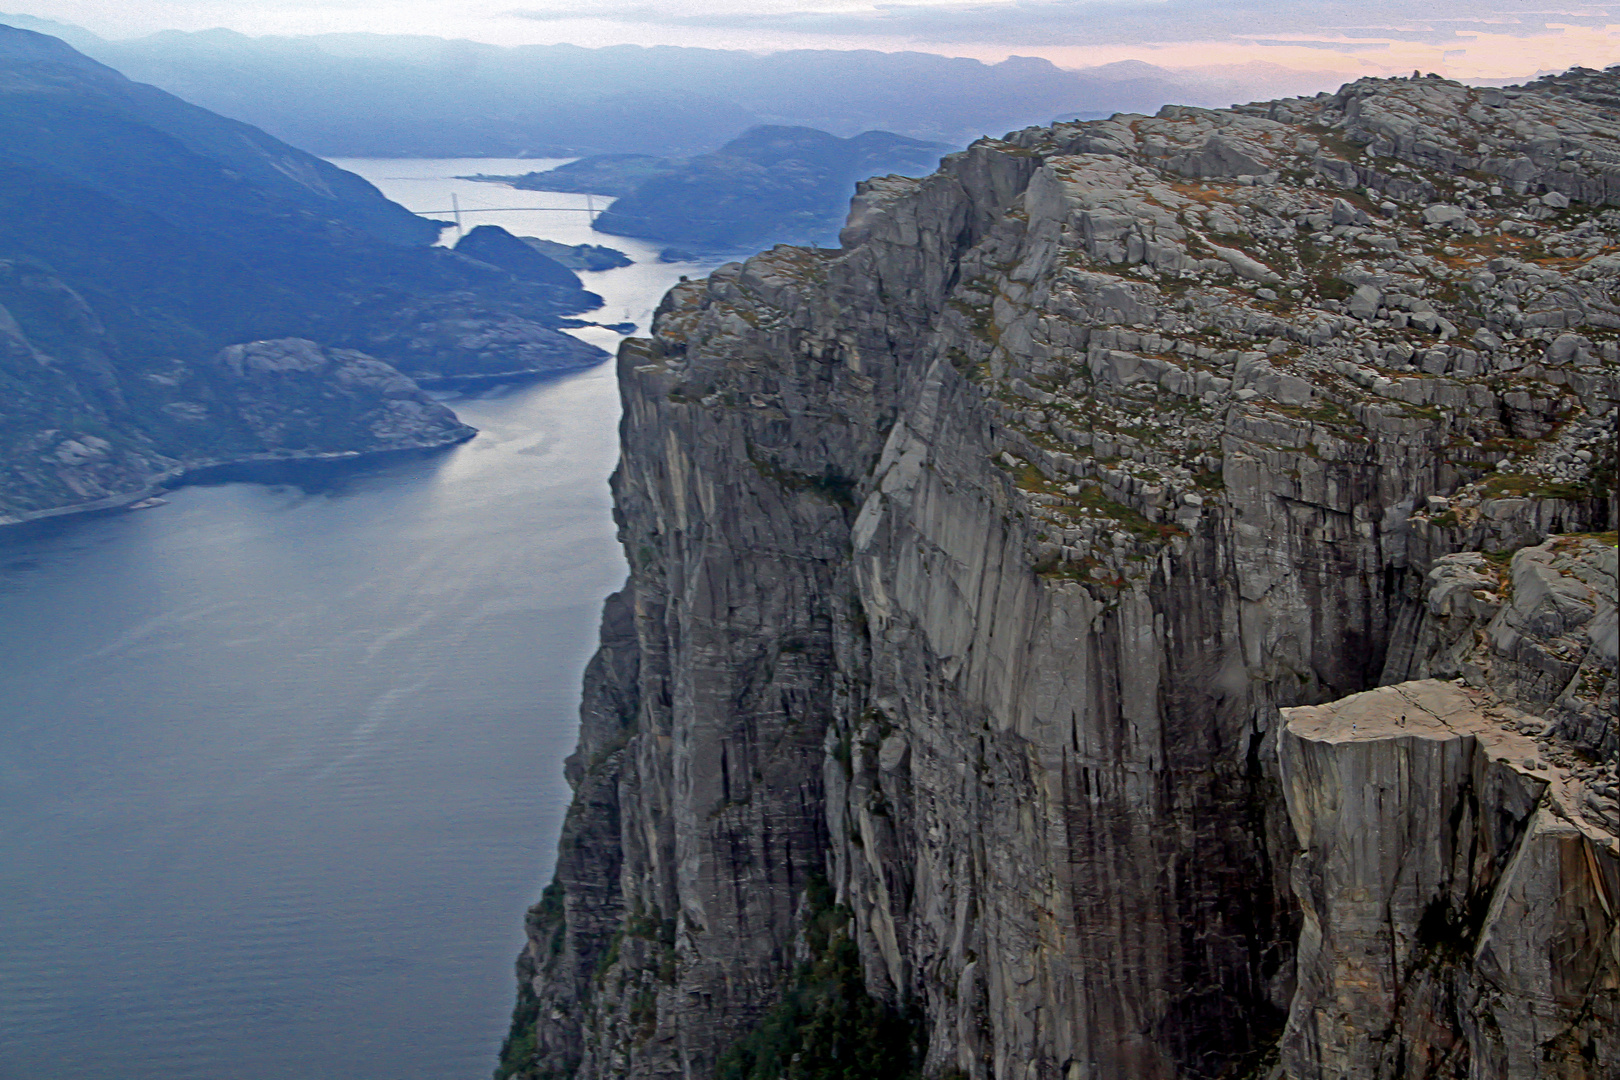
{"x": 366, "y": 95}
{"x": 770, "y": 185}
{"x": 143, "y": 239}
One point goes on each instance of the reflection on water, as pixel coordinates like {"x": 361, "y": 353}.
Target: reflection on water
{"x": 279, "y": 765}
{"x": 280, "y": 762}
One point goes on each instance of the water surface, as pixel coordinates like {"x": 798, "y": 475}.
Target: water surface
{"x": 630, "y": 292}
{"x": 280, "y": 763}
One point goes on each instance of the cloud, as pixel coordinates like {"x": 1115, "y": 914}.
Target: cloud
{"x": 1460, "y": 38}
{"x": 584, "y": 11}
{"x": 1327, "y": 46}
{"x": 1343, "y": 25}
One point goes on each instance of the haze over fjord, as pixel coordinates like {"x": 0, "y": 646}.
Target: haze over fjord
{"x": 517, "y": 78}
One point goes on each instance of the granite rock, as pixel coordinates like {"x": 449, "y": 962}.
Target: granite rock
{"x": 1459, "y": 906}
{"x": 971, "y": 564}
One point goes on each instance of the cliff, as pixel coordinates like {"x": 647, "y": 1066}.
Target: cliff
{"x": 1457, "y": 866}
{"x": 141, "y": 236}
{"x": 996, "y": 691}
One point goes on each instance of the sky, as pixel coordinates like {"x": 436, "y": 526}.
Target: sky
{"x": 1467, "y": 39}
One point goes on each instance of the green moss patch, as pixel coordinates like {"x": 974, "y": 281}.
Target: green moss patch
{"x": 827, "y": 1027}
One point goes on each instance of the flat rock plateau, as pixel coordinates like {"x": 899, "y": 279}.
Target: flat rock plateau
{"x": 1143, "y": 607}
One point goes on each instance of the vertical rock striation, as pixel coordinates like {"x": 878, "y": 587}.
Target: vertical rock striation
{"x": 1459, "y": 905}
{"x": 972, "y": 563}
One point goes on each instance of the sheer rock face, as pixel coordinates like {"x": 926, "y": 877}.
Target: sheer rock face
{"x": 972, "y": 562}
{"x": 1458, "y": 864}
{"x": 1458, "y": 902}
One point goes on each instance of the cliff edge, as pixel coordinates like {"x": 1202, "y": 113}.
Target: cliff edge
{"x": 970, "y": 707}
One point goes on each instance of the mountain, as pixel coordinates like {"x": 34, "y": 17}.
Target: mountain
{"x": 1142, "y": 608}
{"x": 58, "y": 105}
{"x": 769, "y": 185}
{"x": 615, "y": 175}
{"x": 373, "y": 95}
{"x": 141, "y": 236}
{"x": 495, "y": 246}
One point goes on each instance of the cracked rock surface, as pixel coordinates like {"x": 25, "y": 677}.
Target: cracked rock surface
{"x": 972, "y": 562}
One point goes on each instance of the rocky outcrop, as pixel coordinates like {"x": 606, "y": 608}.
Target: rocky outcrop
{"x": 1459, "y": 906}
{"x": 1537, "y": 628}
{"x": 975, "y": 566}
{"x": 298, "y": 399}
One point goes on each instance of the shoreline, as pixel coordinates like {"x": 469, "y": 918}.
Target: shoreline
{"x": 524, "y": 375}
{"x": 189, "y": 475}
{"x": 186, "y": 475}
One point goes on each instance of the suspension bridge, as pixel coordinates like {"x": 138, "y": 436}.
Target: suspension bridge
{"x": 456, "y": 209}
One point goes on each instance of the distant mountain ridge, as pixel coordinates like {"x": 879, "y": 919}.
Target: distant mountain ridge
{"x": 771, "y": 185}
{"x": 57, "y": 80}
{"x": 371, "y": 95}
{"x": 142, "y": 239}
{"x": 615, "y": 175}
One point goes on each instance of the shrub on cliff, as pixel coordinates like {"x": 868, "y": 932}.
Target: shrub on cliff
{"x": 826, "y": 1027}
